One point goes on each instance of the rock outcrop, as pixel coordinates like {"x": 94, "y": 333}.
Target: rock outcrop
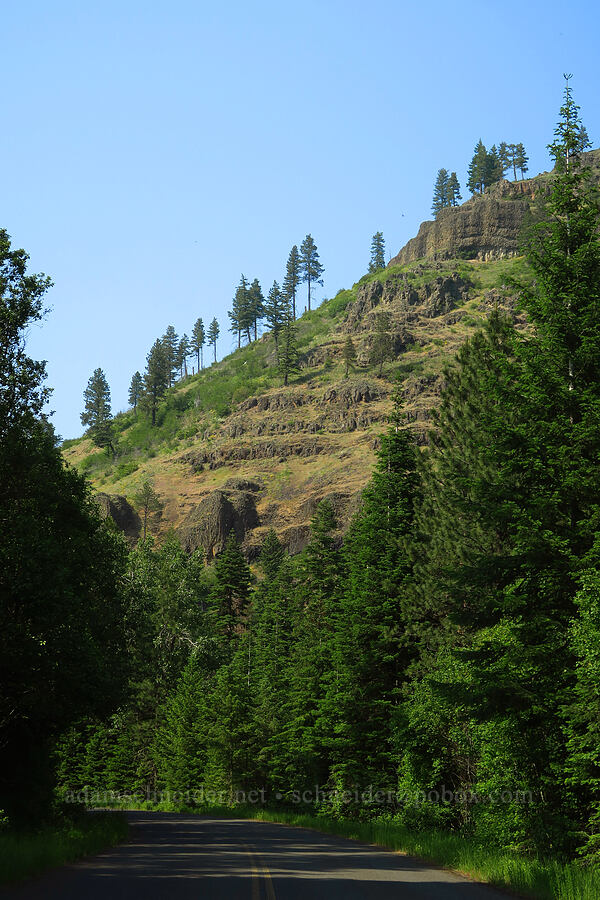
{"x": 486, "y": 227}
{"x": 207, "y": 526}
{"x": 117, "y": 508}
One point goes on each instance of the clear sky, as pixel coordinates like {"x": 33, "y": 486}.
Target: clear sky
{"x": 152, "y": 152}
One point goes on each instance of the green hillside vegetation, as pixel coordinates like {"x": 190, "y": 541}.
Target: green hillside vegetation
{"x": 197, "y": 405}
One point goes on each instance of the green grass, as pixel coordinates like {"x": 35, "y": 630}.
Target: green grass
{"x": 525, "y": 876}
{"x": 25, "y": 855}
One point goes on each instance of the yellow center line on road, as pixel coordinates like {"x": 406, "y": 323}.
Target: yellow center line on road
{"x": 257, "y": 863}
{"x": 255, "y": 875}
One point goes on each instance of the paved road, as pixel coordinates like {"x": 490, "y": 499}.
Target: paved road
{"x": 176, "y": 857}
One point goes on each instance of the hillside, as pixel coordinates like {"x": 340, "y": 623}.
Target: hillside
{"x": 234, "y": 448}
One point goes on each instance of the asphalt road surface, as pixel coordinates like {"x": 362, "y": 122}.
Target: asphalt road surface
{"x": 177, "y": 857}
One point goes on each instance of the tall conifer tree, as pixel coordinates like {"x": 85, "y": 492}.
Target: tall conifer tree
{"x": 310, "y": 264}
{"x": 293, "y": 277}
{"x": 97, "y": 415}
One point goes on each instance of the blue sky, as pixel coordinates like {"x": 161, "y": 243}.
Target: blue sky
{"x": 153, "y": 152}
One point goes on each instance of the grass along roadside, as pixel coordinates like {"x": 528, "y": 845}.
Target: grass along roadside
{"x": 524, "y": 876}
{"x": 25, "y": 855}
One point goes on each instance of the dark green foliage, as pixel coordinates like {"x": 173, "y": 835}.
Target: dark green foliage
{"x": 293, "y": 277}
{"x": 371, "y": 644}
{"x": 271, "y": 555}
{"x": 377, "y": 261}
{"x": 97, "y": 415}
{"x": 21, "y": 386}
{"x": 135, "y": 389}
{"x": 198, "y": 341}
{"x": 449, "y": 642}
{"x": 446, "y": 191}
{"x": 240, "y": 312}
{"x": 61, "y": 616}
{"x": 212, "y": 335}
{"x": 453, "y": 194}
{"x": 521, "y": 159}
{"x": 440, "y": 191}
{"x": 287, "y": 353}
{"x": 310, "y": 265}
{"x": 381, "y": 347}
{"x": 478, "y": 169}
{"x": 275, "y": 311}
{"x": 256, "y": 305}
{"x": 156, "y": 378}
{"x": 147, "y": 501}
{"x": 488, "y": 167}
{"x": 170, "y": 343}
{"x": 232, "y": 590}
{"x": 183, "y": 352}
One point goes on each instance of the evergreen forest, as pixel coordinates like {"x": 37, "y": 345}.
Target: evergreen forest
{"x": 438, "y": 665}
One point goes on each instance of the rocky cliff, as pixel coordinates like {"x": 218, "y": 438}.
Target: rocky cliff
{"x": 485, "y": 227}
{"x": 490, "y": 226}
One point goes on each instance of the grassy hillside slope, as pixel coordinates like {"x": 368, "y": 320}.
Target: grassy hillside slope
{"x": 274, "y": 452}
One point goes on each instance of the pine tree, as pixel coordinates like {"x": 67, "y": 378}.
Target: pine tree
{"x": 440, "y": 191}
{"x": 453, "y": 194}
{"x": 521, "y": 159}
{"x": 288, "y": 356}
{"x": 477, "y": 169}
{"x": 349, "y": 355}
{"x": 212, "y": 336}
{"x": 511, "y": 151}
{"x": 293, "y": 277}
{"x": 97, "y": 415}
{"x": 306, "y": 737}
{"x": 148, "y": 501}
{"x": 156, "y": 378}
{"x": 240, "y": 311}
{"x": 583, "y": 141}
{"x": 198, "y": 341}
{"x": 582, "y": 713}
{"x": 510, "y": 512}
{"x": 170, "y": 341}
{"x": 135, "y": 389}
{"x": 274, "y": 311}
{"x": 183, "y": 351}
{"x": 311, "y": 267}
{"x": 232, "y": 591}
{"x": 493, "y": 167}
{"x": 381, "y": 347}
{"x": 372, "y": 646}
{"x": 377, "y": 252}
{"x": 504, "y": 157}
{"x": 256, "y": 305}
{"x": 271, "y": 555}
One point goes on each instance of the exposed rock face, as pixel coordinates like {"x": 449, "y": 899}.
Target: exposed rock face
{"x": 485, "y": 227}
{"x": 406, "y": 303}
{"x": 208, "y": 524}
{"x": 122, "y": 513}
